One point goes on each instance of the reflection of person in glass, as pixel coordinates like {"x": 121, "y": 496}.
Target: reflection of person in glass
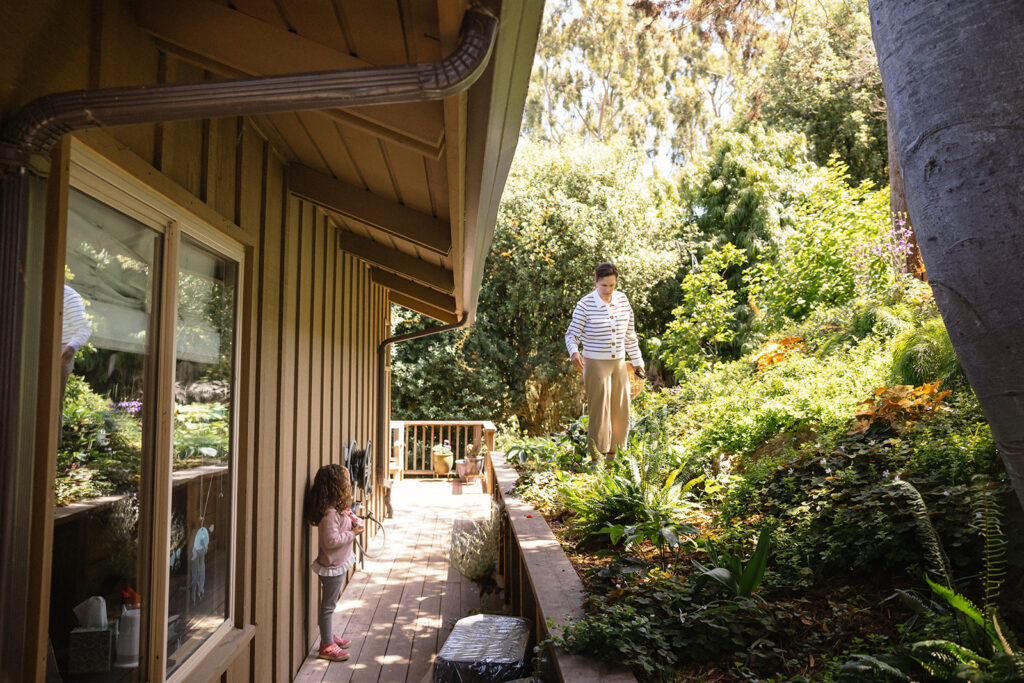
{"x": 599, "y": 337}
{"x": 74, "y": 334}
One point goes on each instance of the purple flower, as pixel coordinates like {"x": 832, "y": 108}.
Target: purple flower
{"x": 129, "y": 406}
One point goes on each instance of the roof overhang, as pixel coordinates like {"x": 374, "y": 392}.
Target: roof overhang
{"x": 413, "y": 187}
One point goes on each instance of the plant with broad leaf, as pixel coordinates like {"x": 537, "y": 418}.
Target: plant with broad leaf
{"x": 729, "y": 571}
{"x": 899, "y": 407}
{"x": 629, "y": 505}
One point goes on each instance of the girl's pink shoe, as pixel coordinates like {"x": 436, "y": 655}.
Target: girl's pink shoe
{"x": 333, "y": 653}
{"x": 342, "y": 642}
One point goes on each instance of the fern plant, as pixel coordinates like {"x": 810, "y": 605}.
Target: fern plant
{"x": 986, "y": 652}
{"x": 988, "y": 516}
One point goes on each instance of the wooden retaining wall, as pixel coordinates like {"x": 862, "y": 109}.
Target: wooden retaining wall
{"x": 540, "y": 582}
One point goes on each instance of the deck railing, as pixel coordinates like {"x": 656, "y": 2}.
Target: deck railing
{"x": 540, "y": 582}
{"x": 412, "y": 442}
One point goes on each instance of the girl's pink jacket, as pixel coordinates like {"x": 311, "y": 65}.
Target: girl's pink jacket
{"x": 336, "y": 536}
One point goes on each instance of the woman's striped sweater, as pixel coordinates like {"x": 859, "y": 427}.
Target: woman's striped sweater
{"x": 603, "y": 331}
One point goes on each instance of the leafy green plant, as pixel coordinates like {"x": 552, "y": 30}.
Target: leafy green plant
{"x": 201, "y": 432}
{"x": 993, "y": 656}
{"x": 100, "y": 447}
{"x": 729, "y": 572}
{"x": 925, "y": 354}
{"x": 654, "y": 621}
{"x": 627, "y": 506}
{"x": 983, "y": 649}
{"x": 704, "y": 320}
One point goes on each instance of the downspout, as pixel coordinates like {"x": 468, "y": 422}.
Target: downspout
{"x": 40, "y": 124}
{"x": 383, "y": 427}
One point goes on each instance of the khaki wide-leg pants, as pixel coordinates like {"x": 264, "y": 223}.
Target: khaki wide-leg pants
{"x": 607, "y": 386}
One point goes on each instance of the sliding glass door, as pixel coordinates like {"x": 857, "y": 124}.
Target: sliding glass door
{"x": 145, "y": 482}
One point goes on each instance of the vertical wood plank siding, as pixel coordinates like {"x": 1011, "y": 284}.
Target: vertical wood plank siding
{"x": 312, "y": 317}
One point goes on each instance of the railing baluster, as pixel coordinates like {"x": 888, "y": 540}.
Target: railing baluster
{"x": 418, "y": 439}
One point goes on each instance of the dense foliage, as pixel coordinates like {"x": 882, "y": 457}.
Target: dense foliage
{"x": 564, "y": 211}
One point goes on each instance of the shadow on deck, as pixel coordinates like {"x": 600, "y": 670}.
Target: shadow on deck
{"x": 400, "y": 608}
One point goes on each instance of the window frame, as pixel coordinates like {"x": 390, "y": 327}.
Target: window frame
{"x": 102, "y": 180}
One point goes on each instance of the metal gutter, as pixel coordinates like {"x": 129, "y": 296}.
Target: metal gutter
{"x": 382, "y": 404}
{"x": 41, "y": 123}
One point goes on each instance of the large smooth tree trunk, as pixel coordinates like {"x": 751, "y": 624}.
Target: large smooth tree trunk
{"x": 953, "y": 73}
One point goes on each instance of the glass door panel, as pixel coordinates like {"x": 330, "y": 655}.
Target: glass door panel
{"x": 96, "y": 614}
{"x": 202, "y": 468}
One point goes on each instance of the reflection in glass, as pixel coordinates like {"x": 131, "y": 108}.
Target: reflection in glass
{"x": 201, "y": 499}
{"x": 111, "y": 272}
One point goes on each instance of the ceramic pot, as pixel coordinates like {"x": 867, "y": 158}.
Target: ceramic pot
{"x": 442, "y": 463}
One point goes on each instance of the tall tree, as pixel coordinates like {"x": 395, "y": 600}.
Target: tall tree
{"x": 820, "y": 78}
{"x": 606, "y": 68}
{"x": 951, "y": 72}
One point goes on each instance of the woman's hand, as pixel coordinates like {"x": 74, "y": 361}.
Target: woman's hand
{"x": 639, "y": 371}
{"x": 577, "y": 361}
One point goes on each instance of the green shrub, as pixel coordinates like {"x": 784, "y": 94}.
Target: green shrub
{"x": 735, "y": 410}
{"x": 838, "y": 511}
{"x": 926, "y": 354}
{"x": 100, "y": 447}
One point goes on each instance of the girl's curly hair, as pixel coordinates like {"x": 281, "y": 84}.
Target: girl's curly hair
{"x": 331, "y": 488}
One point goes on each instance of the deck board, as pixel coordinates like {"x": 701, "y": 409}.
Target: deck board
{"x": 400, "y": 608}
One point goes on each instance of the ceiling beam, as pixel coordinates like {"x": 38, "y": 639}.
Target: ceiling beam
{"x": 397, "y": 262}
{"x": 420, "y": 307}
{"x": 233, "y": 44}
{"x": 353, "y": 202}
{"x": 413, "y": 290}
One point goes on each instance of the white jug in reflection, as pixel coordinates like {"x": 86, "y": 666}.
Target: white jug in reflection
{"x": 128, "y": 638}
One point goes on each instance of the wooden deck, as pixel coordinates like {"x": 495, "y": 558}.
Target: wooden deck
{"x": 399, "y": 610}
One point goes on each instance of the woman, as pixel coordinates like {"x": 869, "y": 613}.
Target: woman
{"x": 598, "y": 338}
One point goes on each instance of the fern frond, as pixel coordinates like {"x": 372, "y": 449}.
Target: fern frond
{"x": 867, "y": 667}
{"x": 989, "y": 515}
{"x": 958, "y": 602}
{"x": 928, "y": 537}
{"x": 693, "y": 482}
{"x": 943, "y": 658}
{"x": 1016, "y": 656}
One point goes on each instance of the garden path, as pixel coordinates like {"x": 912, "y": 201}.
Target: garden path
{"x": 399, "y": 610}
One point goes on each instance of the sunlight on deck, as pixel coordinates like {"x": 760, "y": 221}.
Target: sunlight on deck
{"x": 400, "y": 608}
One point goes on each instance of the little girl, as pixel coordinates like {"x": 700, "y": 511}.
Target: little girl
{"x": 328, "y": 507}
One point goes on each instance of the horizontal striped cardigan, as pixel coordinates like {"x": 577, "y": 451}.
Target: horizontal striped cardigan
{"x": 603, "y": 331}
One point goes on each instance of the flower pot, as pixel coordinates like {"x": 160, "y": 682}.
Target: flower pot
{"x": 471, "y": 466}
{"x": 442, "y": 463}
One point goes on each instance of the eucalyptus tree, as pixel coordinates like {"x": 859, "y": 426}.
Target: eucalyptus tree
{"x": 606, "y": 67}
{"x": 952, "y": 78}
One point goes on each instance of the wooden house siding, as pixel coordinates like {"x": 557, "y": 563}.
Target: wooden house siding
{"x": 312, "y": 318}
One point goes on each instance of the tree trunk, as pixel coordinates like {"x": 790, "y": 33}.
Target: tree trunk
{"x": 912, "y": 262}
{"x": 952, "y": 77}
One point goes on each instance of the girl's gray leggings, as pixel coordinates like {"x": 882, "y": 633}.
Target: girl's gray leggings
{"x": 330, "y": 588}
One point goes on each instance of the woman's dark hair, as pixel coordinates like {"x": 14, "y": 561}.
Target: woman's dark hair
{"x": 331, "y": 488}
{"x": 604, "y": 270}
